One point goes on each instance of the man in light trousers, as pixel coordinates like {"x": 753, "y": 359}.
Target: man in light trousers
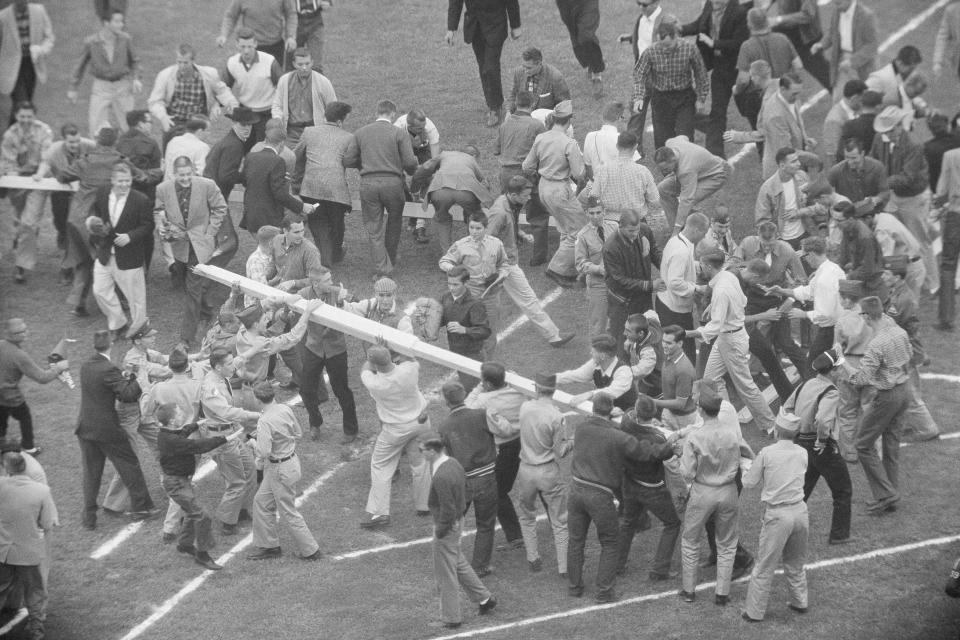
{"x": 401, "y": 407}
{"x": 543, "y": 440}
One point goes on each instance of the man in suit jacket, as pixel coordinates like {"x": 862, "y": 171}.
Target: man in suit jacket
{"x": 192, "y": 237}
{"x": 267, "y": 192}
{"x": 20, "y": 74}
{"x": 485, "y": 28}
{"x": 850, "y": 50}
{"x": 301, "y": 97}
{"x": 101, "y": 438}
{"x": 720, "y": 30}
{"x": 799, "y": 20}
{"x": 120, "y": 225}
{"x": 948, "y": 41}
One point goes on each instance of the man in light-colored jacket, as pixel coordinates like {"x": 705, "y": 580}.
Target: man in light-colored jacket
{"x": 171, "y": 107}
{"x": 301, "y": 97}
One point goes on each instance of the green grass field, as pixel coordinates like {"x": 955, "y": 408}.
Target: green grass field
{"x": 395, "y": 50}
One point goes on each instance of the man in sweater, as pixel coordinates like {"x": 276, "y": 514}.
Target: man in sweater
{"x": 383, "y": 154}
{"x": 678, "y": 269}
{"x": 600, "y": 456}
{"x": 447, "y": 504}
{"x": 302, "y": 97}
{"x": 691, "y": 174}
{"x": 14, "y": 364}
{"x": 401, "y": 407}
{"x": 272, "y": 22}
{"x": 178, "y": 461}
{"x": 252, "y": 75}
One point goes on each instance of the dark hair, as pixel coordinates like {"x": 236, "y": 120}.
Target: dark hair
{"x": 604, "y": 343}
{"x": 386, "y": 107}
{"x": 789, "y": 79}
{"x": 518, "y": 184}
{"x": 613, "y": 111}
{"x": 453, "y": 392}
{"x": 767, "y": 228}
{"x": 713, "y": 259}
{"x": 532, "y": 53}
{"x": 24, "y": 104}
{"x": 814, "y": 245}
{"x": 668, "y": 29}
{"x": 187, "y": 50}
{"x": 846, "y": 208}
{"x": 166, "y": 412}
{"x": 434, "y": 444}
{"x": 909, "y": 55}
{"x": 626, "y": 140}
{"x": 852, "y": 144}
{"x": 301, "y": 52}
{"x": 679, "y": 333}
{"x": 246, "y": 33}
{"x": 494, "y": 373}
{"x": 854, "y": 88}
{"x": 196, "y": 123}
{"x": 459, "y": 272}
{"x": 69, "y": 129}
{"x": 602, "y": 404}
{"x": 121, "y": 167}
{"x": 264, "y": 392}
{"x": 291, "y": 218}
{"x": 107, "y": 137}
{"x": 218, "y": 357}
{"x": 336, "y": 111}
{"x": 479, "y": 216}
{"x": 664, "y": 154}
{"x": 525, "y": 100}
{"x": 758, "y": 266}
{"x": 782, "y": 154}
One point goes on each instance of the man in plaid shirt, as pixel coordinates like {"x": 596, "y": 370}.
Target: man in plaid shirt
{"x": 673, "y": 71}
{"x": 625, "y": 185}
{"x": 884, "y": 366}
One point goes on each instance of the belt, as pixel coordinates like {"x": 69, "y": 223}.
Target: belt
{"x": 732, "y": 330}
{"x": 543, "y": 177}
{"x": 594, "y": 485}
{"x": 219, "y": 428}
{"x": 706, "y": 484}
{"x": 783, "y": 504}
{"x": 279, "y": 460}
{"x": 299, "y": 125}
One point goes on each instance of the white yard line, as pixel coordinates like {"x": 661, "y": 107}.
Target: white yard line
{"x": 22, "y": 614}
{"x": 570, "y": 613}
{"x": 195, "y": 584}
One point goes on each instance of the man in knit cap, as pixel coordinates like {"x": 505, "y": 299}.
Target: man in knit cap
{"x": 384, "y": 308}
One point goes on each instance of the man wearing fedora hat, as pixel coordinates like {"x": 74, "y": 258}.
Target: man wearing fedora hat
{"x": 226, "y": 155}
{"x": 781, "y": 468}
{"x": 816, "y": 405}
{"x": 885, "y": 367}
{"x": 544, "y": 439}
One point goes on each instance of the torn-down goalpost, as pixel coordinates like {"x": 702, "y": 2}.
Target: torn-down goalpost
{"x": 370, "y": 331}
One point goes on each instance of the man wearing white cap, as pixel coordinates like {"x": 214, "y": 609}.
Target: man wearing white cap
{"x": 908, "y": 178}
{"x": 557, "y": 158}
{"x": 385, "y": 308}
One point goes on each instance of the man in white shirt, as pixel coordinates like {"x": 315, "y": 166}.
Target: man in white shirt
{"x": 401, "y": 407}
{"x": 600, "y": 146}
{"x": 187, "y": 144}
{"x": 678, "y": 268}
{"x": 823, "y": 290}
{"x": 609, "y": 374}
{"x": 731, "y": 351}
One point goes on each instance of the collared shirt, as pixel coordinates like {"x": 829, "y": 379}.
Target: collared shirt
{"x": 894, "y": 237}
{"x": 600, "y": 147}
{"x": 26, "y": 511}
{"x": 815, "y": 403}
{"x": 695, "y": 163}
{"x": 624, "y": 185}
{"x": 856, "y": 184}
{"x": 780, "y": 467}
{"x": 189, "y": 96}
{"x": 887, "y": 359}
{"x": 116, "y": 203}
{"x": 485, "y": 260}
{"x": 846, "y": 28}
{"x": 515, "y": 137}
{"x": 189, "y": 145}
{"x": 216, "y": 398}
{"x": 555, "y": 156}
{"x": 501, "y": 225}
{"x": 183, "y": 199}
{"x": 853, "y": 333}
{"x": 679, "y": 272}
{"x": 711, "y": 454}
{"x": 277, "y": 432}
{"x": 262, "y": 347}
{"x": 14, "y": 364}
{"x": 503, "y": 410}
{"x": 147, "y": 364}
{"x": 727, "y": 304}
{"x": 181, "y": 390}
{"x": 620, "y": 374}
{"x": 824, "y": 291}
{"x": 300, "y": 100}
{"x": 543, "y": 433}
{"x": 660, "y": 69}
{"x": 396, "y": 393}
{"x": 110, "y": 58}
{"x": 547, "y": 85}
{"x": 21, "y": 151}
{"x": 588, "y": 251}
{"x": 786, "y": 270}
{"x": 297, "y": 262}
{"x": 677, "y": 382}
{"x": 645, "y": 35}
{"x": 259, "y": 268}
{"x": 370, "y": 309}
{"x": 719, "y": 242}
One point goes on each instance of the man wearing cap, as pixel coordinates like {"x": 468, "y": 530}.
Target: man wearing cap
{"x": 401, "y": 407}
{"x": 644, "y": 488}
{"x": 301, "y": 97}
{"x": 385, "y": 307}
{"x": 191, "y": 210}
{"x": 885, "y": 367}
{"x": 588, "y": 258}
{"x": 609, "y": 374}
{"x": 100, "y": 435}
{"x": 781, "y": 469}
{"x": 14, "y": 364}
{"x": 226, "y": 155}
{"x": 600, "y": 456}
{"x": 908, "y": 177}
{"x": 691, "y": 174}
{"x": 277, "y": 432}
{"x": 730, "y": 352}
{"x": 816, "y": 404}
{"x": 711, "y": 462}
{"x": 234, "y": 460}
{"x": 501, "y": 224}
{"x": 544, "y": 439}
{"x": 901, "y": 305}
{"x": 678, "y": 268}
{"x": 557, "y": 159}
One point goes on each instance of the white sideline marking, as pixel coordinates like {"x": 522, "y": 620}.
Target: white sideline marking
{"x": 940, "y": 376}
{"x": 14, "y": 621}
{"x": 823, "y": 564}
{"x": 194, "y": 584}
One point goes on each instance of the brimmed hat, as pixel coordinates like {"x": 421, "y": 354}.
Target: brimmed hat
{"x": 851, "y": 288}
{"x": 563, "y": 109}
{"x": 546, "y": 381}
{"x": 887, "y": 119}
{"x": 243, "y": 115}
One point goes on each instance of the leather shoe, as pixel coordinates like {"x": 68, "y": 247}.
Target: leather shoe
{"x": 656, "y": 576}
{"x": 348, "y": 439}
{"x": 169, "y": 537}
{"x": 316, "y": 555}
{"x": 244, "y": 516}
{"x": 687, "y": 596}
{"x": 487, "y": 607}
{"x": 228, "y": 529}
{"x": 562, "y": 340}
{"x": 422, "y": 514}
{"x": 846, "y": 540}
{"x": 90, "y": 526}
{"x": 148, "y": 514}
{"x": 880, "y": 507}
{"x": 709, "y": 561}
{"x": 112, "y": 512}
{"x": 261, "y": 553}
{"x": 606, "y": 597}
{"x": 204, "y": 560}
{"x": 372, "y": 522}
{"x": 188, "y": 549}
{"x": 575, "y": 592}
{"x": 536, "y": 566}
{"x": 721, "y": 601}
{"x": 748, "y": 618}
{"x": 797, "y": 609}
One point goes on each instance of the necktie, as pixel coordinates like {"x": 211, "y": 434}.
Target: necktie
{"x": 600, "y": 233}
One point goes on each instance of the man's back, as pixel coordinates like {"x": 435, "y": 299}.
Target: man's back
{"x": 101, "y": 385}
{"x": 515, "y": 138}
{"x": 26, "y": 508}
{"x": 384, "y": 149}
{"x": 465, "y": 435}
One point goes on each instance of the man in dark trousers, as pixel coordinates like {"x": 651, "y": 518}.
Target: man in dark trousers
{"x": 267, "y": 187}
{"x": 101, "y": 438}
{"x": 226, "y": 156}
{"x": 485, "y": 28}
{"x": 799, "y": 20}
{"x": 465, "y": 320}
{"x": 582, "y": 17}
{"x": 382, "y": 153}
{"x": 720, "y": 30}
{"x": 447, "y": 504}
{"x": 121, "y": 233}
{"x": 600, "y": 454}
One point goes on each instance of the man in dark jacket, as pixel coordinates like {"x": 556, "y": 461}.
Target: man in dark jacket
{"x": 485, "y": 27}
{"x": 799, "y": 20}
{"x": 465, "y": 319}
{"x": 720, "y": 30}
{"x": 101, "y": 438}
{"x": 267, "y": 187}
{"x": 226, "y": 156}
{"x": 629, "y": 257}
{"x": 121, "y": 231}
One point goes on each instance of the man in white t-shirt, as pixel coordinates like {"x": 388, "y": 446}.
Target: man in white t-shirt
{"x": 782, "y": 198}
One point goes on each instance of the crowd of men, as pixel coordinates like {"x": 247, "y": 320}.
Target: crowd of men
{"x": 677, "y": 309}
